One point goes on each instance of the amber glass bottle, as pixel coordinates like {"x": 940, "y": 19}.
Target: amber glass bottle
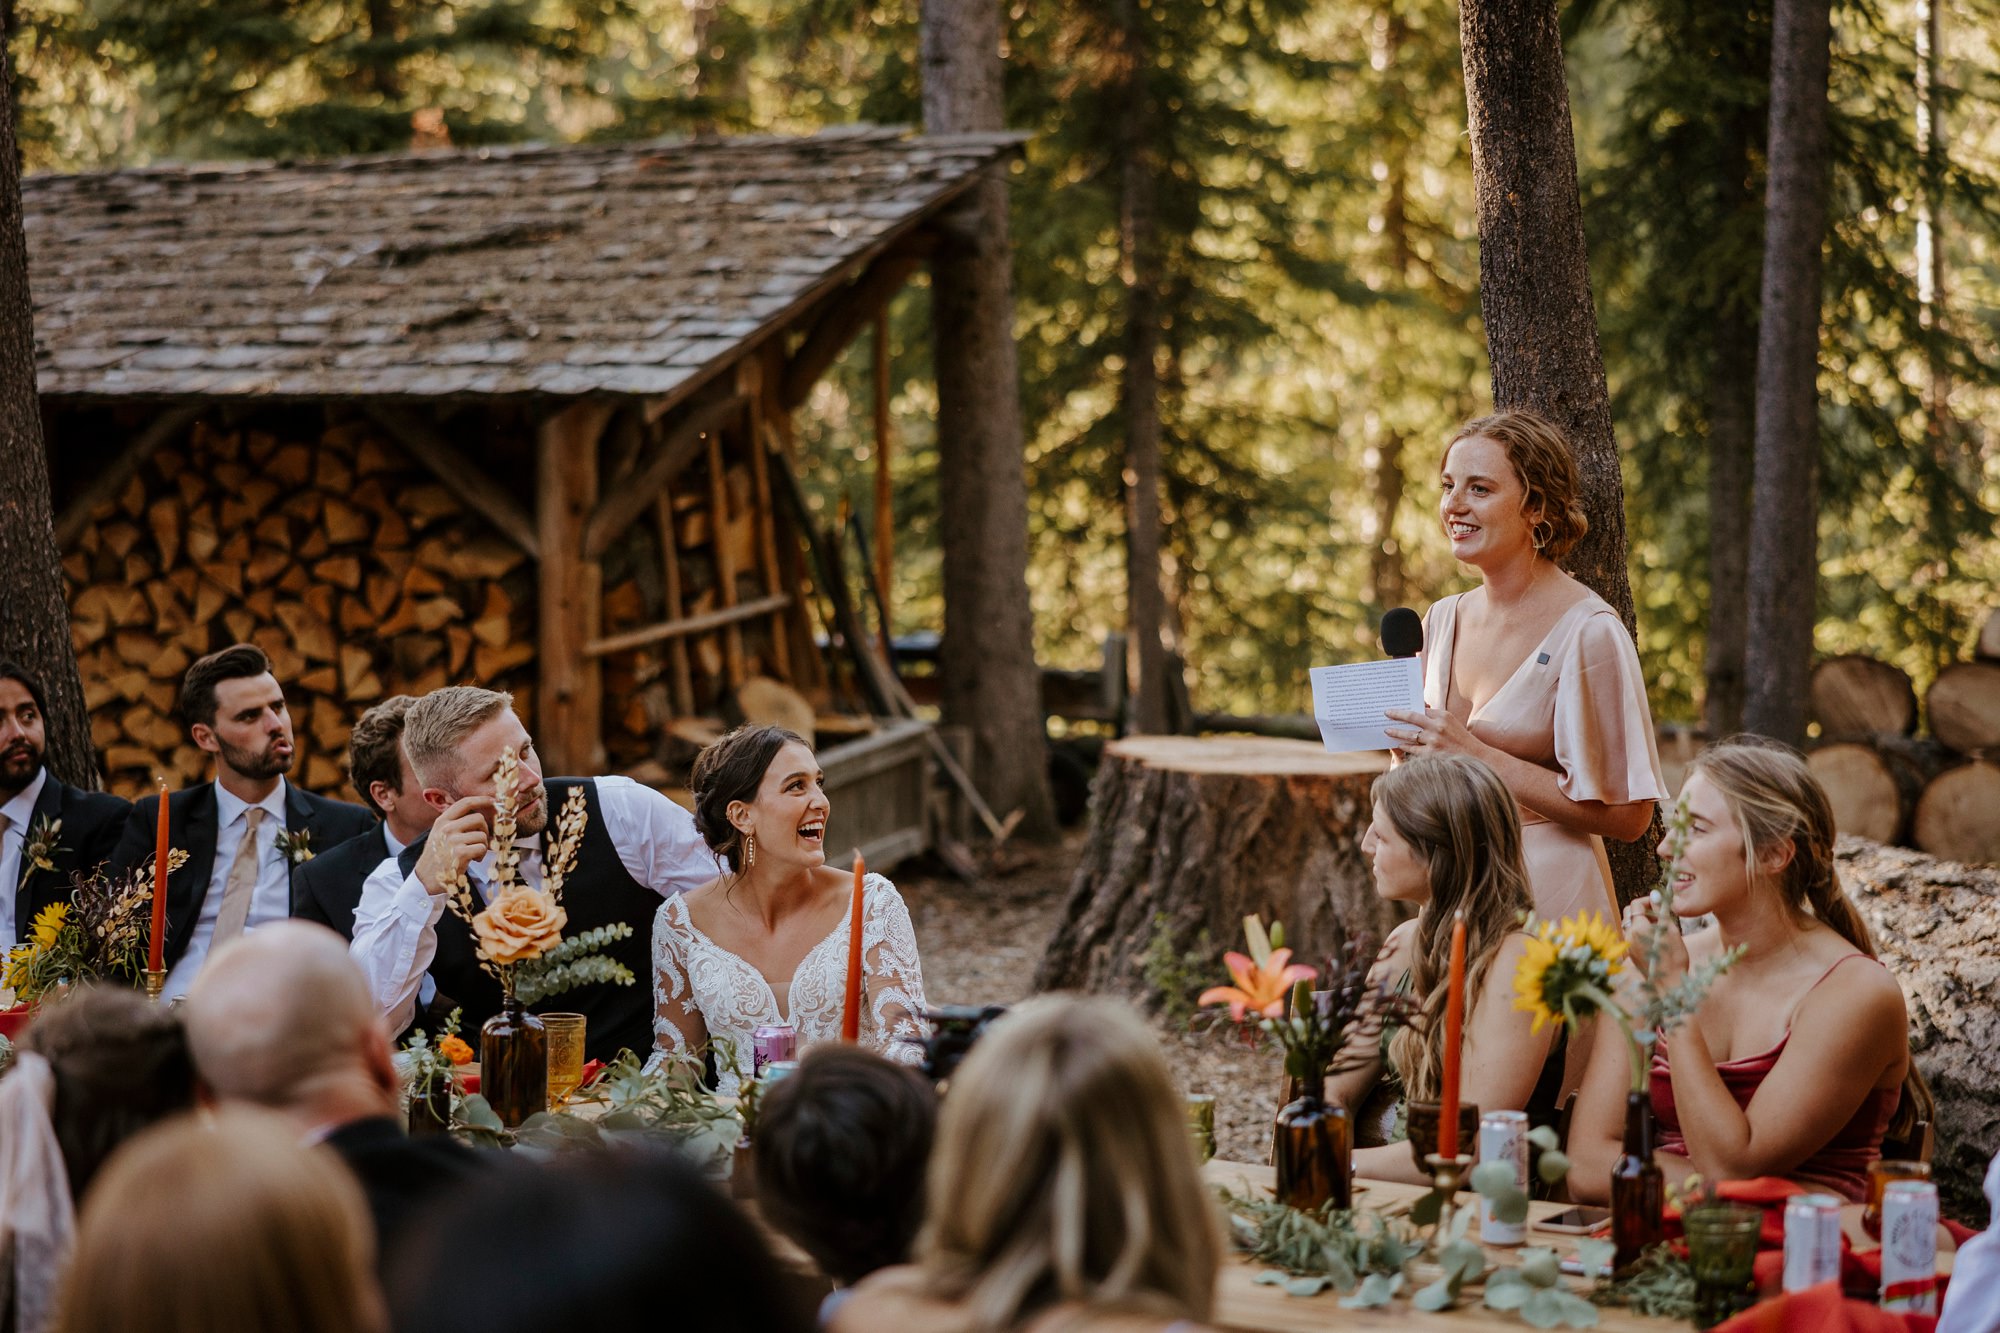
{"x": 1638, "y": 1186}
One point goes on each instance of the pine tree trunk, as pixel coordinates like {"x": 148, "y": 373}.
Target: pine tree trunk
{"x": 1784, "y": 562}
{"x": 990, "y": 682}
{"x": 34, "y": 618}
{"x": 1732, "y": 425}
{"x": 1534, "y": 289}
{"x": 1150, "y": 709}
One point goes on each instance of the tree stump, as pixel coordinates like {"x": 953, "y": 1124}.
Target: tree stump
{"x": 1937, "y": 926}
{"x": 1195, "y": 833}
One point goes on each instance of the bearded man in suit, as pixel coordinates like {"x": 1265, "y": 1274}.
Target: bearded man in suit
{"x": 49, "y": 830}
{"x": 244, "y": 831}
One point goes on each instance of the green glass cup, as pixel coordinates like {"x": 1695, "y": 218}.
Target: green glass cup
{"x": 1722, "y": 1251}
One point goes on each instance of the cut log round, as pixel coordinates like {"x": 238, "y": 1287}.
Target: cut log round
{"x": 1937, "y": 927}
{"x": 1871, "y": 792}
{"x": 1988, "y": 646}
{"x": 1964, "y": 707}
{"x": 1196, "y": 833}
{"x": 1958, "y": 815}
{"x": 1855, "y": 697}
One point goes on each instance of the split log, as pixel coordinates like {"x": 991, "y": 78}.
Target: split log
{"x": 1854, "y": 697}
{"x": 1192, "y": 834}
{"x": 1963, "y": 705}
{"x": 1958, "y": 815}
{"x": 1873, "y": 785}
{"x": 1937, "y": 926}
{"x": 1988, "y": 647}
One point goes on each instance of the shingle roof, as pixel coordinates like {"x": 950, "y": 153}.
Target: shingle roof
{"x": 509, "y": 271}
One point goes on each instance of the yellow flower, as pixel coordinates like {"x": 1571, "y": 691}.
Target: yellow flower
{"x": 1568, "y": 966}
{"x": 48, "y": 927}
{"x": 1261, "y": 987}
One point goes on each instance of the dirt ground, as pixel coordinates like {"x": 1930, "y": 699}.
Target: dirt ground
{"x": 980, "y": 944}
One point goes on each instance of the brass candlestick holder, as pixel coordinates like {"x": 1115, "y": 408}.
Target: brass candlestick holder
{"x": 156, "y": 984}
{"x": 1447, "y": 1174}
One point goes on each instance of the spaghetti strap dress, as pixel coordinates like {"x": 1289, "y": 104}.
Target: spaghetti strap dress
{"x": 1576, "y": 706}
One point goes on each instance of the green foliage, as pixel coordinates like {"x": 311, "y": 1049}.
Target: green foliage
{"x": 668, "y": 1106}
{"x": 575, "y": 962}
{"x": 1660, "y": 1284}
{"x": 1176, "y": 975}
{"x": 1338, "y": 1245}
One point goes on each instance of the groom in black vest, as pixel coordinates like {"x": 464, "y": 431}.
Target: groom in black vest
{"x": 638, "y": 847}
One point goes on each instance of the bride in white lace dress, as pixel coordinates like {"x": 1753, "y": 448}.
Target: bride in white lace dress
{"x": 767, "y": 940}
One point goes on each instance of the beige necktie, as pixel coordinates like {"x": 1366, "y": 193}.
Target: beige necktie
{"x": 241, "y": 885}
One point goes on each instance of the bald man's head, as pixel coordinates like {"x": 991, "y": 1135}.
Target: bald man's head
{"x": 282, "y": 1017}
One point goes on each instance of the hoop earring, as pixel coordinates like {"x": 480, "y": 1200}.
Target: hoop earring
{"x": 1536, "y": 535}
{"x": 749, "y": 850}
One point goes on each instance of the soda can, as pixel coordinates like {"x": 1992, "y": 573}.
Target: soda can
{"x": 1909, "y": 1247}
{"x": 1812, "y": 1240}
{"x": 1503, "y": 1137}
{"x": 773, "y": 1041}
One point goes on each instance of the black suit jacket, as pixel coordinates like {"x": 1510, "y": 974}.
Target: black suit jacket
{"x": 91, "y": 824}
{"x": 399, "y": 1174}
{"x": 327, "y": 888}
{"x": 191, "y": 817}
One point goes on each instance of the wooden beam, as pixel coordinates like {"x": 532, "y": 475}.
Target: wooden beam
{"x": 623, "y": 506}
{"x": 569, "y": 704}
{"x": 672, "y": 630}
{"x": 725, "y": 561}
{"x": 885, "y": 506}
{"x": 749, "y": 380}
{"x": 464, "y": 478}
{"x": 670, "y": 571}
{"x": 848, "y": 310}
{"x": 106, "y": 485}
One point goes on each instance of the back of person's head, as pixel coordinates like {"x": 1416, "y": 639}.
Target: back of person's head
{"x": 120, "y": 1064}
{"x": 1779, "y": 805}
{"x": 841, "y": 1148}
{"x": 1064, "y": 1173}
{"x": 223, "y": 1221}
{"x": 375, "y": 748}
{"x": 281, "y": 1017}
{"x": 1456, "y": 813}
{"x": 621, "y": 1239}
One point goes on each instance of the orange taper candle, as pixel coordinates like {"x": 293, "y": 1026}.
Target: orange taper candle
{"x": 157, "y": 952}
{"x": 1454, "y": 1038}
{"x": 850, "y": 1018}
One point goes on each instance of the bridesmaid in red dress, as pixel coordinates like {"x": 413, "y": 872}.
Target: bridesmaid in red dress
{"x": 1798, "y": 1059}
{"x": 1532, "y": 672}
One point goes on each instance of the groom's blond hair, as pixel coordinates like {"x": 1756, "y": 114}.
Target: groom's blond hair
{"x": 440, "y": 721}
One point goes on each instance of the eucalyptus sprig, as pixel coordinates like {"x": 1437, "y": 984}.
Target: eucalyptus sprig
{"x": 666, "y": 1106}
{"x": 575, "y": 962}
{"x": 1326, "y": 1247}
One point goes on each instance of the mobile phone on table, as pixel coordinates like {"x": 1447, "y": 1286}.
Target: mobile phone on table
{"x": 1576, "y": 1221}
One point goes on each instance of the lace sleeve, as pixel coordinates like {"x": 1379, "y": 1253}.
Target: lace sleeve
{"x": 895, "y": 978}
{"x": 679, "y": 1030}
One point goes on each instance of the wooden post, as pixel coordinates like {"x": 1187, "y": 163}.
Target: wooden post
{"x": 885, "y": 502}
{"x": 670, "y": 570}
{"x": 749, "y": 387}
{"x": 774, "y": 436}
{"x": 725, "y": 559}
{"x": 569, "y": 707}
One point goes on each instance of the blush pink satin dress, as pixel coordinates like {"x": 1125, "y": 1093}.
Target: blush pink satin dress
{"x": 1577, "y": 707}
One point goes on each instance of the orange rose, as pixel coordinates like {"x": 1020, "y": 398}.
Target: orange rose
{"x": 455, "y": 1050}
{"x": 518, "y": 925}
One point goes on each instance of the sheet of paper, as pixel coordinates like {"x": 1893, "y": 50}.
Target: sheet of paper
{"x": 1348, "y": 701}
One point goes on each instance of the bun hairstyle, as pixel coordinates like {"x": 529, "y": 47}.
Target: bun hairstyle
{"x": 1546, "y": 464}
{"x": 730, "y": 770}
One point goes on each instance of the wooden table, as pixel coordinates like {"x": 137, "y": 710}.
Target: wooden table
{"x": 1241, "y": 1303}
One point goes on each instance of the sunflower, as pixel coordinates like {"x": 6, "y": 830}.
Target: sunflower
{"x": 48, "y": 927}
{"x": 1567, "y": 968}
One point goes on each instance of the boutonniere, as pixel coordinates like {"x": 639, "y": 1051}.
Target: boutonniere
{"x": 43, "y": 845}
{"x": 297, "y": 846}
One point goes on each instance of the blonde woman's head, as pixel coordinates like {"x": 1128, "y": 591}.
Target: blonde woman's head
{"x": 1064, "y": 1172}
{"x": 280, "y": 1231}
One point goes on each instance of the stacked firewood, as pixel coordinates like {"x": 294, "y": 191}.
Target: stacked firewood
{"x": 1938, "y": 791}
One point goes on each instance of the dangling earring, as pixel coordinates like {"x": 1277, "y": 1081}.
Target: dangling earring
{"x": 749, "y": 850}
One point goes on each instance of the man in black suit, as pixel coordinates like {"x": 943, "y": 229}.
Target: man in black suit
{"x": 244, "y": 831}
{"x": 282, "y": 1019}
{"x": 49, "y": 830}
{"x": 326, "y": 888}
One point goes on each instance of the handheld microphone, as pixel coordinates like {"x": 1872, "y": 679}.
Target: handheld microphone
{"x": 1402, "y": 632}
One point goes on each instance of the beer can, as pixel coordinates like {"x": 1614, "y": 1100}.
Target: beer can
{"x": 773, "y": 1041}
{"x": 1503, "y": 1137}
{"x": 1812, "y": 1240}
{"x": 1909, "y": 1247}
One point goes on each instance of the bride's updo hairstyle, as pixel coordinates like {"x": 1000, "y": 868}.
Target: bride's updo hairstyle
{"x": 1546, "y": 465}
{"x": 732, "y": 769}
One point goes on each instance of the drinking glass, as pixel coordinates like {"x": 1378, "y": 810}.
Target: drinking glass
{"x": 1880, "y": 1176}
{"x": 1201, "y": 1122}
{"x": 1722, "y": 1250}
{"x": 565, "y": 1056}
{"x": 1421, "y": 1123}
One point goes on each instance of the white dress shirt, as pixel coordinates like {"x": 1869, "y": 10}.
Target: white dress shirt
{"x": 395, "y": 923}
{"x": 13, "y": 846}
{"x": 1972, "y": 1301}
{"x": 271, "y": 900}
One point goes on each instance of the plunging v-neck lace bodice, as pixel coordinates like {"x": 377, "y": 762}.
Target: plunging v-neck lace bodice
{"x": 699, "y": 984}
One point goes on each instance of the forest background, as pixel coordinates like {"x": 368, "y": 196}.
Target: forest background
{"x": 1301, "y": 175}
